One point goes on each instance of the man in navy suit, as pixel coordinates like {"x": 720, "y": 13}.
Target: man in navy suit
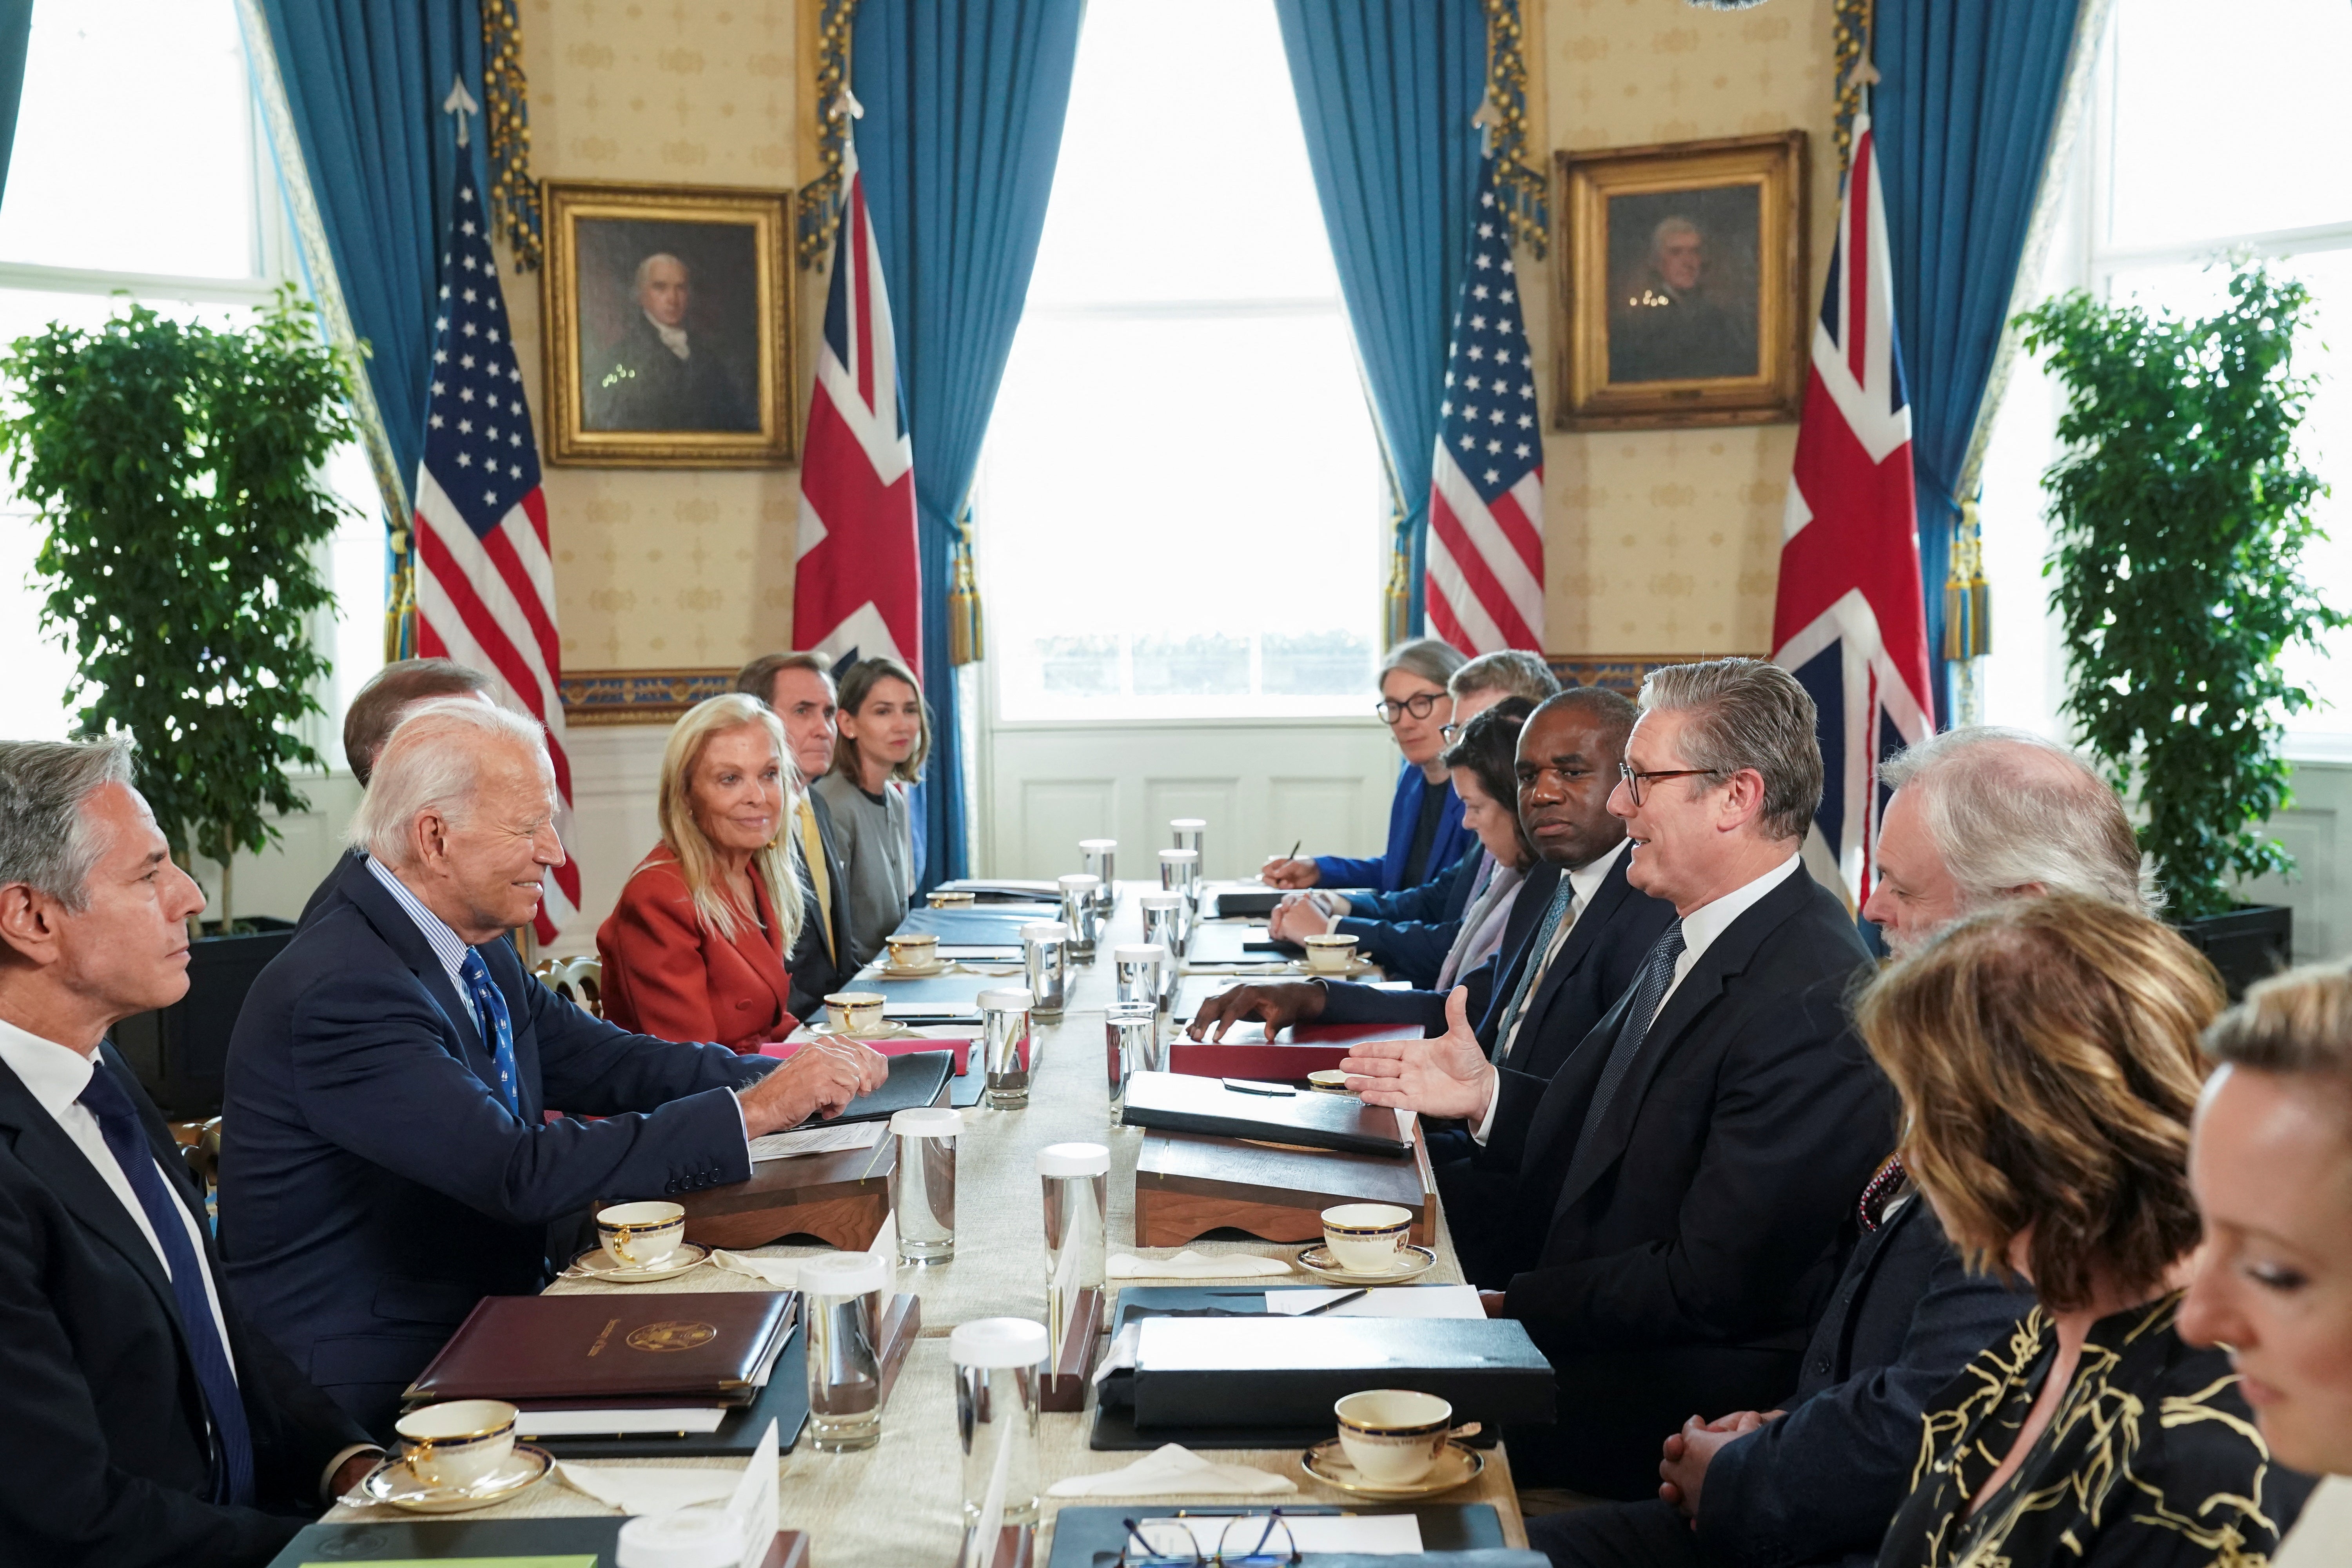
{"x": 384, "y": 1161}
{"x": 1686, "y": 1169}
{"x": 141, "y": 1421}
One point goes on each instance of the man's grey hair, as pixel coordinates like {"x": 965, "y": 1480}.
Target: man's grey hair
{"x": 2008, "y": 809}
{"x": 645, "y": 269}
{"x": 434, "y": 763}
{"x": 1746, "y": 713}
{"x": 1514, "y": 672}
{"x": 1672, "y": 226}
{"x": 1432, "y": 658}
{"x": 46, "y": 840}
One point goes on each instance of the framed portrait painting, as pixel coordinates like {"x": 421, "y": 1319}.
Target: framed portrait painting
{"x": 1682, "y": 284}
{"x": 667, "y": 315}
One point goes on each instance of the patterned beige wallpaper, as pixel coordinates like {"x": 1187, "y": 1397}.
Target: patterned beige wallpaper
{"x": 664, "y": 568}
{"x": 1661, "y": 541}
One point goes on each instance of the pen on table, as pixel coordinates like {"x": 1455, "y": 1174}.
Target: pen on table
{"x": 1334, "y": 1302}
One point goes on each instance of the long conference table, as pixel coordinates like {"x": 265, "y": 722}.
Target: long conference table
{"x": 900, "y": 1502}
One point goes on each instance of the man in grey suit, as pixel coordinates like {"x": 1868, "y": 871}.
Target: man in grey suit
{"x": 799, "y": 686}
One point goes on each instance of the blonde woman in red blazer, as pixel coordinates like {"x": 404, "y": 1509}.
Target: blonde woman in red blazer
{"x": 695, "y": 949}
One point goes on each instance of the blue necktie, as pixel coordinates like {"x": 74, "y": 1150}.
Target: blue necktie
{"x": 490, "y": 1012}
{"x": 1554, "y": 912}
{"x": 1649, "y": 995}
{"x": 118, "y": 1121}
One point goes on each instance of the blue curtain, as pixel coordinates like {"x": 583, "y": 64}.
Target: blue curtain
{"x": 365, "y": 80}
{"x": 15, "y": 34}
{"x": 1969, "y": 93}
{"x": 1386, "y": 92}
{"x": 964, "y": 101}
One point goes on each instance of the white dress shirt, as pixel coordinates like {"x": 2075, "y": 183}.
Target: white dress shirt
{"x": 673, "y": 338}
{"x": 1583, "y": 881}
{"x": 56, "y": 1075}
{"x": 1700, "y": 928}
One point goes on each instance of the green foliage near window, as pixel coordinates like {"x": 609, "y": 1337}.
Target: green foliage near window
{"x": 177, "y": 468}
{"x": 2181, "y": 515}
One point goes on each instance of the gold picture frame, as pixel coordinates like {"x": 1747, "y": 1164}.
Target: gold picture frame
{"x": 668, "y": 320}
{"x": 1682, "y": 282}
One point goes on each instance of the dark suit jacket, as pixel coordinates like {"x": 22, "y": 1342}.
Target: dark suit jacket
{"x": 104, "y": 1452}
{"x": 1706, "y": 1208}
{"x": 374, "y": 1185}
{"x": 1410, "y": 934}
{"x": 1820, "y": 1484}
{"x": 816, "y": 972}
{"x": 350, "y": 863}
{"x": 668, "y": 975}
{"x": 636, "y": 384}
{"x": 1597, "y": 965}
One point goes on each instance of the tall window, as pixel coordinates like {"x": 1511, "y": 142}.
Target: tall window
{"x": 2211, "y": 134}
{"x": 1182, "y": 511}
{"x": 177, "y": 207}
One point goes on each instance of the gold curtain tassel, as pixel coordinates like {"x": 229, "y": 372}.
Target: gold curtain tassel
{"x": 506, "y": 114}
{"x": 967, "y": 632}
{"x": 821, "y": 198}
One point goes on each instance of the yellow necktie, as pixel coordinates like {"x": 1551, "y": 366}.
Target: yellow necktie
{"x": 820, "y": 874}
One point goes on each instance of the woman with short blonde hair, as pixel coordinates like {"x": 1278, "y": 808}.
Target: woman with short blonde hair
{"x": 2047, "y": 1057}
{"x": 694, "y": 950}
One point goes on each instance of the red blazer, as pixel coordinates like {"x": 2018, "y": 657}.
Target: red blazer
{"x": 666, "y": 975}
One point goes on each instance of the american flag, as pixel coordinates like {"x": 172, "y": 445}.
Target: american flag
{"x": 855, "y": 588}
{"x": 484, "y": 590}
{"x": 1849, "y": 623}
{"x": 1485, "y": 573}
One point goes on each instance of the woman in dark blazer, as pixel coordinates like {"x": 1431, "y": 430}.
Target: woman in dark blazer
{"x": 695, "y": 948}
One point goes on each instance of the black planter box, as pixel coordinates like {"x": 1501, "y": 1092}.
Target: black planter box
{"x": 178, "y": 1052}
{"x": 2253, "y": 941}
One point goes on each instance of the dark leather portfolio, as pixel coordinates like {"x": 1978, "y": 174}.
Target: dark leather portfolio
{"x": 1272, "y": 1113}
{"x": 915, "y": 1079}
{"x": 711, "y": 1345}
{"x": 1246, "y": 1051}
{"x": 1454, "y": 1535}
{"x": 1288, "y": 1372}
{"x": 396, "y": 1540}
{"x": 785, "y": 1401}
{"x": 1255, "y": 903}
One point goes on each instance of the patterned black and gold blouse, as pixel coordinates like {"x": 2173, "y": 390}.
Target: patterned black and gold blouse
{"x": 2151, "y": 1460}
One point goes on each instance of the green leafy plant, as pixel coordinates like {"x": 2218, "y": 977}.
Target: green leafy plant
{"x": 176, "y": 467}
{"x": 2182, "y": 514}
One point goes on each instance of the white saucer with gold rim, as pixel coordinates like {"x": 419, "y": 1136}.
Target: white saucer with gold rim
{"x": 394, "y": 1483}
{"x": 1318, "y": 1260}
{"x": 1457, "y": 1465}
{"x": 597, "y": 1263}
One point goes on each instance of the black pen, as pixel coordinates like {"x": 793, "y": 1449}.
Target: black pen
{"x": 1334, "y": 1302}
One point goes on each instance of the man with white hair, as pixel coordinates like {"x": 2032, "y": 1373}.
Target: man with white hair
{"x": 385, "y": 1161}
{"x": 662, "y": 373}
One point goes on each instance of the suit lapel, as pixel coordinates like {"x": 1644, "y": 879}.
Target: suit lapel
{"x": 758, "y": 948}
{"x": 1590, "y": 925}
{"x": 45, "y": 1149}
{"x": 399, "y": 932}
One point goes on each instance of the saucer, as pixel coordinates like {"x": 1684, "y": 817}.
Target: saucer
{"x": 888, "y": 1031}
{"x": 596, "y": 1263}
{"x": 1357, "y": 967}
{"x": 1458, "y": 1464}
{"x": 931, "y": 970}
{"x": 1318, "y": 1260}
{"x": 394, "y": 1482}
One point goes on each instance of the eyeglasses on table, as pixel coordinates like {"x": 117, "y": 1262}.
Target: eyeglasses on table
{"x": 1247, "y": 1541}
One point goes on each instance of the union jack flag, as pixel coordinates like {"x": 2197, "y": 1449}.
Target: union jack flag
{"x": 485, "y": 589}
{"x": 1485, "y": 580}
{"x": 1848, "y": 622}
{"x": 855, "y": 588}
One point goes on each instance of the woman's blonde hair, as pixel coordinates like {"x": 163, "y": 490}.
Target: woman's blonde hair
{"x": 697, "y": 863}
{"x": 857, "y": 683}
{"x": 2046, "y": 1051}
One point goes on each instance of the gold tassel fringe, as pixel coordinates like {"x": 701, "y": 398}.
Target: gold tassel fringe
{"x": 506, "y": 115}
{"x": 1525, "y": 198}
{"x": 1968, "y": 598}
{"x": 821, "y": 198}
{"x": 967, "y": 634}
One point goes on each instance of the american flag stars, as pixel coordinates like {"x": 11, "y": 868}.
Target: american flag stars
{"x": 475, "y": 374}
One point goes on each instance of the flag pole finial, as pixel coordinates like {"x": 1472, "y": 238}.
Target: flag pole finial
{"x": 460, "y": 103}
{"x": 845, "y": 104}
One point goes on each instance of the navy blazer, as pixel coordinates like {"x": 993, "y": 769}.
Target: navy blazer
{"x": 1386, "y": 874}
{"x": 814, "y": 971}
{"x": 1410, "y": 934}
{"x": 1705, "y": 1207}
{"x": 374, "y": 1185}
{"x": 105, "y": 1453}
{"x": 350, "y": 863}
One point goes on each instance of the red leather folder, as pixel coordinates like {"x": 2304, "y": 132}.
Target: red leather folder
{"x": 1246, "y": 1052}
{"x": 960, "y": 1046}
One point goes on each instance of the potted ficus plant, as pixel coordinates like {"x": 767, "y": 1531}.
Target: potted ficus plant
{"x": 176, "y": 467}
{"x": 2181, "y": 515}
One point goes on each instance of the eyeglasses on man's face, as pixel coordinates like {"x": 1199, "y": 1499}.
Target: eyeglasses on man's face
{"x": 1421, "y": 704}
{"x": 1637, "y": 785}
{"x": 1247, "y": 1541}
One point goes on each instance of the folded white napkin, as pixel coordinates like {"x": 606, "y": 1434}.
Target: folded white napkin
{"x": 1191, "y": 1265}
{"x": 783, "y": 1271}
{"x": 1175, "y": 1470}
{"x": 637, "y": 1489}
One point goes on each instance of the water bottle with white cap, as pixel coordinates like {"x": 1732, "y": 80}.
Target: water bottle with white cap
{"x": 999, "y": 1366}
{"x": 923, "y": 1183}
{"x": 1139, "y": 964}
{"x": 1163, "y": 921}
{"x": 1102, "y": 860}
{"x": 1081, "y": 913}
{"x": 1077, "y": 1178}
{"x": 1044, "y": 956}
{"x": 841, "y": 1306}
{"x": 1006, "y": 1046}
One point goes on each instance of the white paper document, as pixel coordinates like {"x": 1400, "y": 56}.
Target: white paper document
{"x": 601, "y": 1423}
{"x": 754, "y": 1504}
{"x": 1400, "y": 1302}
{"x": 1374, "y": 1535}
{"x": 817, "y": 1140}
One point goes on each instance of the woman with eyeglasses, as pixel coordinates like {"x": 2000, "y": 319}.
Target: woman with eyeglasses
{"x": 1426, "y": 831}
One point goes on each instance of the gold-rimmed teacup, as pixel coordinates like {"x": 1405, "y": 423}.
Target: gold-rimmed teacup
{"x": 1330, "y": 953}
{"x": 457, "y": 1444}
{"x": 915, "y": 950}
{"x": 1367, "y": 1238}
{"x": 854, "y": 1011}
{"x": 1393, "y": 1436}
{"x": 951, "y": 900}
{"x": 641, "y": 1236}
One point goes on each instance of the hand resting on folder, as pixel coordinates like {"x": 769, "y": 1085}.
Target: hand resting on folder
{"x": 1445, "y": 1075}
{"x": 822, "y": 1080}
